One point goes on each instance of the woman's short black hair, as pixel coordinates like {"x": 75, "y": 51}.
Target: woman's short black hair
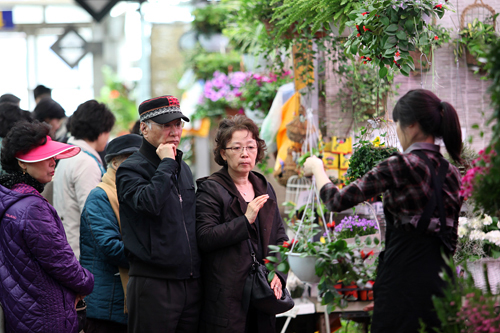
{"x": 23, "y": 137}
{"x": 47, "y": 108}
{"x": 10, "y": 113}
{"x": 90, "y": 120}
{"x": 434, "y": 116}
{"x": 226, "y": 129}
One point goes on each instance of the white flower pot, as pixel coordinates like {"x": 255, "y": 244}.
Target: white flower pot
{"x": 493, "y": 271}
{"x": 303, "y": 268}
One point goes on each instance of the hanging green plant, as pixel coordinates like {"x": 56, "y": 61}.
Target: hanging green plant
{"x": 209, "y": 19}
{"x": 475, "y": 40}
{"x": 312, "y": 15}
{"x": 363, "y": 92}
{"x": 385, "y": 31}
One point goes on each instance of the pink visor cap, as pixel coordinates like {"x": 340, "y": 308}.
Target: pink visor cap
{"x": 50, "y": 149}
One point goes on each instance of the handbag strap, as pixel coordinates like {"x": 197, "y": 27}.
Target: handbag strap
{"x": 247, "y": 289}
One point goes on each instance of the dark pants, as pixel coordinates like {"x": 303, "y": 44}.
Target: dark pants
{"x": 158, "y": 305}
{"x": 104, "y": 326}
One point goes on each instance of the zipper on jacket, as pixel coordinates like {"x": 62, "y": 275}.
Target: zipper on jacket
{"x": 185, "y": 229}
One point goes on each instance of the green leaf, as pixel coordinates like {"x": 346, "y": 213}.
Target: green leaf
{"x": 409, "y": 26}
{"x": 271, "y": 275}
{"x": 283, "y": 267}
{"x": 272, "y": 259}
{"x": 385, "y": 21}
{"x": 423, "y": 40}
{"x": 382, "y": 72}
{"x": 392, "y": 28}
{"x": 405, "y": 70}
{"x": 401, "y": 35}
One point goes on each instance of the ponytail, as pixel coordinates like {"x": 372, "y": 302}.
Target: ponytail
{"x": 435, "y": 117}
{"x": 450, "y": 131}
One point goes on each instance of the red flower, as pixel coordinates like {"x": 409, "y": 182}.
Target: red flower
{"x": 114, "y": 94}
{"x": 365, "y": 28}
{"x": 286, "y": 244}
{"x": 364, "y": 62}
{"x": 364, "y": 256}
{"x": 436, "y": 37}
{"x": 365, "y": 13}
{"x": 438, "y": 6}
{"x": 330, "y": 225}
{"x": 362, "y": 57}
{"x": 266, "y": 261}
{"x": 398, "y": 54}
{"x": 358, "y": 35}
{"x": 357, "y": 27}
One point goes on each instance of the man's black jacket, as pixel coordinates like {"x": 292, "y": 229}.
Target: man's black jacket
{"x": 158, "y": 215}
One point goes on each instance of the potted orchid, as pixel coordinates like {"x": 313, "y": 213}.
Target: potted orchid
{"x": 221, "y": 95}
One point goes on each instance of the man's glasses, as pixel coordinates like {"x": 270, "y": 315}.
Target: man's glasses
{"x": 250, "y": 149}
{"x": 169, "y": 126}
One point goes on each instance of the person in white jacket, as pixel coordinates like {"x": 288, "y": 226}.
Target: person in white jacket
{"x": 90, "y": 126}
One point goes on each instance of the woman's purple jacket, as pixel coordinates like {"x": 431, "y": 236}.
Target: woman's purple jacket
{"x": 39, "y": 273}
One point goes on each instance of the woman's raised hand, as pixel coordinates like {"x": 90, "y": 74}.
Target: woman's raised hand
{"x": 254, "y": 206}
{"x": 312, "y": 165}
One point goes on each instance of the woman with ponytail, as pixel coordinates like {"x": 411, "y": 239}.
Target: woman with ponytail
{"x": 421, "y": 207}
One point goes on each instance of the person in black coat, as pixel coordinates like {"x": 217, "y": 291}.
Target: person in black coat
{"x": 235, "y": 205}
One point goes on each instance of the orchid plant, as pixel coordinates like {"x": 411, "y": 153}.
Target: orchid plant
{"x": 221, "y": 92}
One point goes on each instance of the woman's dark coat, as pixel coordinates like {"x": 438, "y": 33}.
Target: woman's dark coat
{"x": 223, "y": 231}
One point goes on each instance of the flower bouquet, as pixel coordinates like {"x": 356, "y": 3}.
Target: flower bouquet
{"x": 479, "y": 246}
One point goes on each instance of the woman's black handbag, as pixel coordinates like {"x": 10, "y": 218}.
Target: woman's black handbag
{"x": 81, "y": 312}
{"x": 258, "y": 292}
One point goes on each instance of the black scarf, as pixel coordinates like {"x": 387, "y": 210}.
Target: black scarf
{"x": 11, "y": 179}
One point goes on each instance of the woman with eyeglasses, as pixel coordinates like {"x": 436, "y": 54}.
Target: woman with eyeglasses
{"x": 236, "y": 214}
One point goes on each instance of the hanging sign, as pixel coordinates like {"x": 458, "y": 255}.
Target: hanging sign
{"x": 97, "y": 8}
{"x": 71, "y": 47}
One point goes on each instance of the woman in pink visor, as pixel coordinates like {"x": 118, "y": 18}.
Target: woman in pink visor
{"x": 40, "y": 278}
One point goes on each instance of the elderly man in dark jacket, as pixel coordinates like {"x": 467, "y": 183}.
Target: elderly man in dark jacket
{"x": 157, "y": 211}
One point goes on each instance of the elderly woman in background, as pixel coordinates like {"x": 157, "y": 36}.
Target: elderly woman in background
{"x": 40, "y": 277}
{"x": 101, "y": 244}
{"x": 235, "y": 205}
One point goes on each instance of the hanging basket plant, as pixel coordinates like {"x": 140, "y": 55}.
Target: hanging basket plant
{"x": 385, "y": 32}
{"x": 474, "y": 41}
{"x": 422, "y": 56}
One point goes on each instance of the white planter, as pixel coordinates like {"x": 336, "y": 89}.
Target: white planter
{"x": 493, "y": 270}
{"x": 303, "y": 268}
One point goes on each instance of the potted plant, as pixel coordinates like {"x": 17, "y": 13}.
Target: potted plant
{"x": 385, "y": 31}
{"x": 365, "y": 156}
{"x": 209, "y": 19}
{"x": 441, "y": 37}
{"x": 205, "y": 64}
{"x": 221, "y": 95}
{"x": 259, "y": 91}
{"x": 474, "y": 41}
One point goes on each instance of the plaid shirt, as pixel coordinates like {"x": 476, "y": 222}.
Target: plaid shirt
{"x": 404, "y": 180}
